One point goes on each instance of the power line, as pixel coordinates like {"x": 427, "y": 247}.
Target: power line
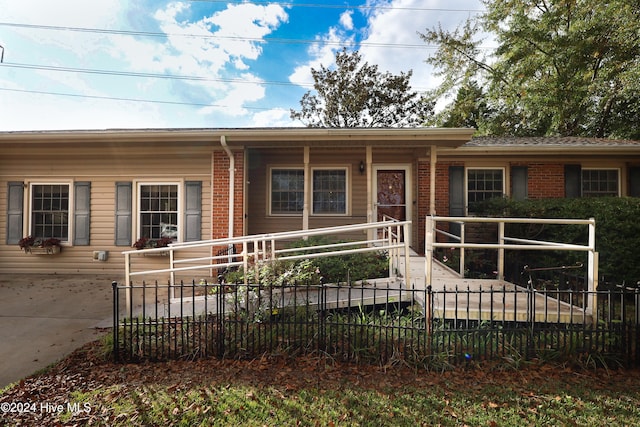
{"x": 110, "y": 98}
{"x": 208, "y": 36}
{"x": 150, "y": 75}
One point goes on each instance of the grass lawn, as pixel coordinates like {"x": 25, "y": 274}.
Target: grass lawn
{"x": 84, "y": 389}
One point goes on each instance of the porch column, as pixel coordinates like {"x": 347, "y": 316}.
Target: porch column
{"x": 370, "y": 201}
{"x": 307, "y": 189}
{"x": 432, "y": 177}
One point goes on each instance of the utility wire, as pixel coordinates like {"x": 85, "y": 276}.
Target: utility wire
{"x": 110, "y": 98}
{"x": 150, "y": 75}
{"x": 209, "y": 36}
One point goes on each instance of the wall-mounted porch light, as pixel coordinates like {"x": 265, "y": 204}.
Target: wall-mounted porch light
{"x": 361, "y": 167}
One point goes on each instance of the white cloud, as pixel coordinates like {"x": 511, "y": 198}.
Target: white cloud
{"x": 391, "y": 38}
{"x": 278, "y": 117}
{"x": 72, "y": 13}
{"x": 322, "y": 54}
{"x": 346, "y": 20}
{"x": 216, "y": 46}
{"x": 399, "y": 24}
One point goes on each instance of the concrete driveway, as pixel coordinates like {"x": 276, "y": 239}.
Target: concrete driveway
{"x": 45, "y": 317}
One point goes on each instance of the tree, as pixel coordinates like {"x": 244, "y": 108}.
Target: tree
{"x": 469, "y": 109}
{"x": 358, "y": 95}
{"x": 561, "y": 67}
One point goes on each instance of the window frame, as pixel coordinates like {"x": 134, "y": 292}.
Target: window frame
{"x": 70, "y": 210}
{"x": 467, "y": 169}
{"x": 347, "y": 186}
{"x": 619, "y": 184}
{"x": 270, "y": 191}
{"x": 138, "y": 210}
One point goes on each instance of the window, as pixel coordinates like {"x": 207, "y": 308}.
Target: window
{"x": 483, "y": 184}
{"x": 330, "y": 191}
{"x": 287, "y": 191}
{"x": 600, "y": 182}
{"x": 50, "y": 211}
{"x": 158, "y": 211}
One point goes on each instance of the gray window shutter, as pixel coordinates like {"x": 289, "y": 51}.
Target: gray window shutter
{"x": 456, "y": 191}
{"x": 519, "y": 182}
{"x": 123, "y": 214}
{"x": 634, "y": 181}
{"x": 15, "y": 206}
{"x": 193, "y": 211}
{"x": 81, "y": 213}
{"x": 572, "y": 181}
{"x": 456, "y": 196}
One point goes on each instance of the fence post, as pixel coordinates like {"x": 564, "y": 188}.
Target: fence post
{"x": 592, "y": 272}
{"x": 428, "y": 311}
{"x": 407, "y": 256}
{"x": 245, "y": 261}
{"x": 428, "y": 250}
{"x": 501, "y": 250}
{"x": 127, "y": 278}
{"x": 173, "y": 273}
{"x": 636, "y": 326}
{"x": 116, "y": 311}
{"x": 462, "y": 249}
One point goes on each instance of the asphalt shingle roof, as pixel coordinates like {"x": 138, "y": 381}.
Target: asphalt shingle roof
{"x": 547, "y": 141}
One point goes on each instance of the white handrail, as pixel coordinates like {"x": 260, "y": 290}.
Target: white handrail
{"x": 262, "y": 247}
{"x": 431, "y": 243}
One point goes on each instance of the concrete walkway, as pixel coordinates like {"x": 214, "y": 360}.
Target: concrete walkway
{"x": 45, "y": 317}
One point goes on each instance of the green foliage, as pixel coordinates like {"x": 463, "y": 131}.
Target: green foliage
{"x": 617, "y": 229}
{"x": 313, "y": 271}
{"x": 348, "y": 267}
{"x": 358, "y": 95}
{"x": 560, "y": 68}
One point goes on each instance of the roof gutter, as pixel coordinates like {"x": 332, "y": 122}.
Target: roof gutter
{"x": 232, "y": 169}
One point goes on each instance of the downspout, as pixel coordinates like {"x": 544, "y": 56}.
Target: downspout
{"x": 232, "y": 169}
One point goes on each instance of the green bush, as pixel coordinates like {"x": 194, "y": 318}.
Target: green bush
{"x": 348, "y": 267}
{"x": 330, "y": 269}
{"x": 617, "y": 231}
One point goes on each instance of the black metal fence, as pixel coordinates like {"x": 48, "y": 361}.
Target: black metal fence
{"x": 375, "y": 323}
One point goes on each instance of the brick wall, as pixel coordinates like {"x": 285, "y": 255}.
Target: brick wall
{"x": 220, "y": 208}
{"x": 545, "y": 180}
{"x": 424, "y": 185}
{"x": 442, "y": 186}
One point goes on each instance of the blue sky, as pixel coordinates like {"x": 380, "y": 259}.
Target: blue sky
{"x": 77, "y": 64}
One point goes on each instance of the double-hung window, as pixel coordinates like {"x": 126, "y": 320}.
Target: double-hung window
{"x": 330, "y": 191}
{"x": 287, "y": 191}
{"x": 158, "y": 212}
{"x": 484, "y": 184}
{"x": 600, "y": 182}
{"x": 50, "y": 211}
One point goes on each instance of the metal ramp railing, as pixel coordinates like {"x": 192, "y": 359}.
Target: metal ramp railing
{"x": 441, "y": 238}
{"x": 380, "y": 236}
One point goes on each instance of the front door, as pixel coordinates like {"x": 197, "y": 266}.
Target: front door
{"x": 391, "y": 198}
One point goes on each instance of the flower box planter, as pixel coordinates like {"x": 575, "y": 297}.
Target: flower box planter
{"x": 40, "y": 246}
{"x": 49, "y": 250}
{"x": 156, "y": 254}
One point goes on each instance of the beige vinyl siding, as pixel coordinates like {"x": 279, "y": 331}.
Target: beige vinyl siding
{"x": 102, "y": 167}
{"x": 260, "y": 163}
{"x": 259, "y": 219}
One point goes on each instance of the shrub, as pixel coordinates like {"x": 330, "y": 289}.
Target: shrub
{"x": 617, "y": 230}
{"x": 330, "y": 269}
{"x": 347, "y": 267}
